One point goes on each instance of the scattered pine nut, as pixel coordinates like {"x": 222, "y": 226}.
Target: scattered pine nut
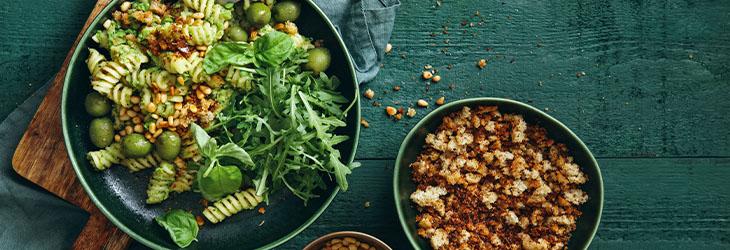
{"x": 369, "y": 93}
{"x": 117, "y": 138}
{"x": 411, "y": 112}
{"x": 482, "y": 63}
{"x": 440, "y": 101}
{"x": 422, "y": 103}
{"x": 436, "y": 78}
{"x": 391, "y": 111}
{"x": 364, "y": 123}
{"x": 388, "y": 48}
{"x": 427, "y": 75}
{"x": 135, "y": 99}
{"x": 398, "y": 116}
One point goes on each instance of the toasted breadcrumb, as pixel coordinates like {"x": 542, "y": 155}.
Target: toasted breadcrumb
{"x": 487, "y": 180}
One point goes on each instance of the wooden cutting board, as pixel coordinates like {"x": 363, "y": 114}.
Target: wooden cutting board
{"x": 41, "y": 158}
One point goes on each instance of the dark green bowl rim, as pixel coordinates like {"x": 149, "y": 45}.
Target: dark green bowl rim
{"x": 67, "y": 140}
{"x": 475, "y": 101}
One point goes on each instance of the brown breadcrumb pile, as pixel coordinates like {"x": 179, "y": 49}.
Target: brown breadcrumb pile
{"x": 488, "y": 180}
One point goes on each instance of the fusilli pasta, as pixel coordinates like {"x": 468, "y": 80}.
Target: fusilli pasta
{"x": 104, "y": 158}
{"x": 145, "y": 162}
{"x": 232, "y": 204}
{"x": 240, "y": 78}
{"x": 159, "y": 188}
{"x": 152, "y": 77}
{"x": 202, "y": 34}
{"x": 183, "y": 177}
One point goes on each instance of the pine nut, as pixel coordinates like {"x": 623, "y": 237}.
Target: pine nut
{"x": 151, "y": 107}
{"x": 422, "y": 103}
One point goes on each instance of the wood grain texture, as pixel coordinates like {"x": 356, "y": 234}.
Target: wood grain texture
{"x": 41, "y": 158}
{"x": 653, "y": 100}
{"x": 656, "y": 71}
{"x": 35, "y": 37}
{"x": 649, "y": 204}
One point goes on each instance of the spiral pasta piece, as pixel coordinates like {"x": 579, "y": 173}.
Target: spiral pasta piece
{"x": 197, "y": 73}
{"x": 107, "y": 75}
{"x": 232, "y": 204}
{"x": 141, "y": 163}
{"x": 183, "y": 177}
{"x": 202, "y": 6}
{"x": 203, "y": 34}
{"x": 189, "y": 148}
{"x": 219, "y": 17}
{"x": 130, "y": 57}
{"x": 121, "y": 95}
{"x": 159, "y": 188}
{"x": 104, "y": 158}
{"x": 94, "y": 60}
{"x": 174, "y": 63}
{"x": 240, "y": 79}
{"x": 152, "y": 77}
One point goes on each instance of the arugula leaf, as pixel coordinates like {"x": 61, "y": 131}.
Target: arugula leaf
{"x": 227, "y": 53}
{"x": 234, "y": 151}
{"x": 220, "y": 181}
{"x": 341, "y": 171}
{"x": 181, "y": 225}
{"x": 273, "y": 48}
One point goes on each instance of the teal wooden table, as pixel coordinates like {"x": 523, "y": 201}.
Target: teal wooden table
{"x": 644, "y": 83}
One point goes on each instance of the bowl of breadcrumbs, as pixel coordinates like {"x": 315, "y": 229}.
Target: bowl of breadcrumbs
{"x": 492, "y": 173}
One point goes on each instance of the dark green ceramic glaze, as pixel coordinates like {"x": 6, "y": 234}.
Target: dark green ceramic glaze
{"x": 120, "y": 195}
{"x": 413, "y": 143}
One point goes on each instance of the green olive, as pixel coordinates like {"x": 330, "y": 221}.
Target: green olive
{"x": 97, "y": 105}
{"x": 318, "y": 60}
{"x": 167, "y": 145}
{"x": 135, "y": 145}
{"x": 286, "y": 11}
{"x": 237, "y": 34}
{"x": 101, "y": 132}
{"x": 258, "y": 14}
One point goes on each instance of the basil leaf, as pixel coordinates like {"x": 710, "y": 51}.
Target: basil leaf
{"x": 234, "y": 151}
{"x": 201, "y": 137}
{"x": 273, "y": 48}
{"x": 220, "y": 181}
{"x": 181, "y": 225}
{"x": 227, "y": 53}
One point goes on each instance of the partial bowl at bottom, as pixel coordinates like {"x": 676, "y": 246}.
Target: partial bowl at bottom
{"x": 370, "y": 240}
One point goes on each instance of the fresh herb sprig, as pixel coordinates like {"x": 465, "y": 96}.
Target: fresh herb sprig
{"x": 287, "y": 124}
{"x": 214, "y": 179}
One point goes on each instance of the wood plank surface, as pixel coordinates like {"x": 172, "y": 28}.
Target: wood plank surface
{"x": 649, "y": 204}
{"x": 41, "y": 158}
{"x": 652, "y": 104}
{"x": 656, "y": 78}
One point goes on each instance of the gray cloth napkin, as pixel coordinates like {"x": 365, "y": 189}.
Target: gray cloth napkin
{"x": 33, "y": 218}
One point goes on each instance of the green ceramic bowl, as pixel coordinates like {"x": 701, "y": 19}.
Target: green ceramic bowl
{"x": 413, "y": 143}
{"x": 120, "y": 195}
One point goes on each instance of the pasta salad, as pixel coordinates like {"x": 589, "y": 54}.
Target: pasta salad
{"x": 227, "y": 100}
